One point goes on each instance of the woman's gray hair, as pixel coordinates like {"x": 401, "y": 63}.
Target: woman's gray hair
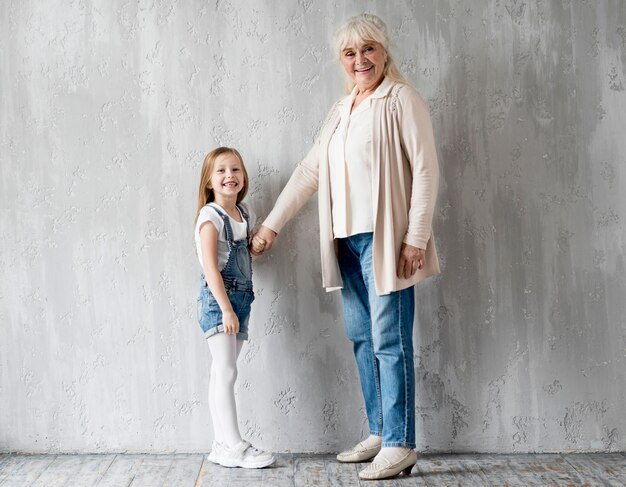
{"x": 364, "y": 28}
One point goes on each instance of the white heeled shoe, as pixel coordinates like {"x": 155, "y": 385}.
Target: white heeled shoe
{"x": 358, "y": 453}
{"x": 381, "y": 468}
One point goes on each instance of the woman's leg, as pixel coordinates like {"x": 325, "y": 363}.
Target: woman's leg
{"x": 392, "y": 318}
{"x": 224, "y": 352}
{"x": 381, "y": 328}
{"x": 359, "y": 331}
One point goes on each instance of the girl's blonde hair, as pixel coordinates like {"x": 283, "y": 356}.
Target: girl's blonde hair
{"x": 205, "y": 194}
{"x": 367, "y": 28}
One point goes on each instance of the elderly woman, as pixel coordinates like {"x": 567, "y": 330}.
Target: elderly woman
{"x": 374, "y": 165}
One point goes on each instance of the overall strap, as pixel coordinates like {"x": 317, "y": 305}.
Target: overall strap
{"x": 227, "y": 228}
{"x": 246, "y": 217}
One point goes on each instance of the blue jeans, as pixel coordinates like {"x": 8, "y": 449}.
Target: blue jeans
{"x": 381, "y": 331}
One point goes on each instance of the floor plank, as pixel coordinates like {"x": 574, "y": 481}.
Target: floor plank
{"x": 152, "y": 471}
{"x": 310, "y": 470}
{"x": 472, "y": 467}
{"x": 341, "y": 474}
{"x": 500, "y": 470}
{"x": 593, "y": 473}
{"x": 212, "y": 475}
{"x": 281, "y": 473}
{"x": 466, "y": 471}
{"x": 61, "y": 471}
{"x": 184, "y": 470}
{"x": 614, "y": 464}
{"x": 121, "y": 471}
{"x": 549, "y": 468}
{"x": 306, "y": 470}
{"x": 4, "y": 457}
{"x": 10, "y": 464}
{"x": 435, "y": 470}
{"x": 90, "y": 471}
{"x": 24, "y": 472}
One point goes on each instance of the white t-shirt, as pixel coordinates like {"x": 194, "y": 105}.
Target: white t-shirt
{"x": 349, "y": 155}
{"x": 208, "y": 214}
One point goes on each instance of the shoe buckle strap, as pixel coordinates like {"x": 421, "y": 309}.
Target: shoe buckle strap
{"x": 241, "y": 448}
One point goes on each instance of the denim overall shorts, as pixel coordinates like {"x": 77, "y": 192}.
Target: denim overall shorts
{"x": 237, "y": 277}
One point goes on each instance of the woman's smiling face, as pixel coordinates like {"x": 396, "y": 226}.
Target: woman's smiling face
{"x": 365, "y": 64}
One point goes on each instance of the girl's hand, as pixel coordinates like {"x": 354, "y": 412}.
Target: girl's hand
{"x": 263, "y": 234}
{"x": 230, "y": 322}
{"x": 258, "y": 244}
{"x": 411, "y": 259}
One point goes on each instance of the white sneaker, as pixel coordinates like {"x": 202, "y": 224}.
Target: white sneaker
{"x": 212, "y": 457}
{"x": 241, "y": 455}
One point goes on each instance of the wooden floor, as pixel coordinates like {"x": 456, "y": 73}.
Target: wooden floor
{"x": 308, "y": 470}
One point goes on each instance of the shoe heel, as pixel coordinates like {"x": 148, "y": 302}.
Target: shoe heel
{"x": 407, "y": 471}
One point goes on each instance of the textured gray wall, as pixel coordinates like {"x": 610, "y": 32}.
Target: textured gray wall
{"x": 106, "y": 111}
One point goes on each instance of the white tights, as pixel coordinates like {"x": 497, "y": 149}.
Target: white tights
{"x": 224, "y": 351}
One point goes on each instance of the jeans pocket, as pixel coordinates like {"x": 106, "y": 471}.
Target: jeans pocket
{"x": 251, "y": 297}
{"x": 246, "y": 301}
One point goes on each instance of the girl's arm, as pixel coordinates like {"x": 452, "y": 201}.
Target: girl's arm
{"x": 208, "y": 241}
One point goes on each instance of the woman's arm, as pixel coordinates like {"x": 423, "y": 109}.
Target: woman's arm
{"x": 208, "y": 241}
{"x": 418, "y": 142}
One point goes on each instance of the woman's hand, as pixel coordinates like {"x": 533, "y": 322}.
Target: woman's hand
{"x": 263, "y": 240}
{"x": 411, "y": 259}
{"x": 230, "y": 322}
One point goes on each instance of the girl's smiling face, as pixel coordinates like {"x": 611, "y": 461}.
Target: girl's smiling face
{"x": 227, "y": 178}
{"x": 365, "y": 64}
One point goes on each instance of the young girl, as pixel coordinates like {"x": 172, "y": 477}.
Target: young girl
{"x": 222, "y": 234}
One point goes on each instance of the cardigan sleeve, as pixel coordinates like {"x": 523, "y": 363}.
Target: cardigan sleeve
{"x": 418, "y": 144}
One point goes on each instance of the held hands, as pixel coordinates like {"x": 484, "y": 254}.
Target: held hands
{"x": 411, "y": 259}
{"x": 262, "y": 240}
{"x": 258, "y": 245}
{"x": 230, "y": 322}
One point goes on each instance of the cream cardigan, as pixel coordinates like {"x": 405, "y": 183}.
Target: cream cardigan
{"x": 405, "y": 180}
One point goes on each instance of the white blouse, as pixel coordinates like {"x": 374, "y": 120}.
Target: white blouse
{"x": 349, "y": 156}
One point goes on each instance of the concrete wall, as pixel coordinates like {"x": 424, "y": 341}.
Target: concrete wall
{"x": 107, "y": 109}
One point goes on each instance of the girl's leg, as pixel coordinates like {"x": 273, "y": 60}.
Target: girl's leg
{"x": 233, "y": 451}
{"x": 217, "y": 429}
{"x": 224, "y": 352}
